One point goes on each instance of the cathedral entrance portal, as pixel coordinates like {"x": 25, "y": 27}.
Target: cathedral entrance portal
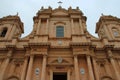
{"x": 59, "y": 76}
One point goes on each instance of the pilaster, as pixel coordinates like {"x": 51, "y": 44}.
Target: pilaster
{"x": 72, "y": 26}
{"x": 47, "y": 26}
{"x": 51, "y": 75}
{"x": 81, "y": 27}
{"x": 5, "y": 65}
{"x": 107, "y": 69}
{"x": 119, "y": 62}
{"x": 113, "y": 64}
{"x": 68, "y": 74}
{"x": 12, "y": 32}
{"x": 38, "y": 26}
{"x": 106, "y": 32}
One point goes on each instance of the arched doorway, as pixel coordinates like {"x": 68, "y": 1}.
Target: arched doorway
{"x": 13, "y": 78}
{"x": 106, "y": 78}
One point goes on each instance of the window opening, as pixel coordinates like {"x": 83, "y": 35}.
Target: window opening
{"x": 59, "y": 31}
{"x": 3, "y": 33}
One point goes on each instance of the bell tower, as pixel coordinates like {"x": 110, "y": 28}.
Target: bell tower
{"x": 10, "y": 26}
{"x": 108, "y": 27}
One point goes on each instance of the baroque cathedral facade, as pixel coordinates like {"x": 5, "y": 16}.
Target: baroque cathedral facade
{"x": 60, "y": 47}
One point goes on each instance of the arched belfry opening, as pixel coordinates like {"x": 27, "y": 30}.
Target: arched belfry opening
{"x": 3, "y": 33}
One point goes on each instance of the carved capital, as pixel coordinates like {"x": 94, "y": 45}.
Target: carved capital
{"x": 109, "y": 52}
{"x": 9, "y": 54}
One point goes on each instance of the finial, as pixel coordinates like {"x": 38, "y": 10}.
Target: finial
{"x": 17, "y": 14}
{"x": 60, "y": 3}
{"x": 102, "y": 14}
{"x": 70, "y": 7}
{"x": 42, "y": 8}
{"x": 77, "y": 8}
{"x": 49, "y": 7}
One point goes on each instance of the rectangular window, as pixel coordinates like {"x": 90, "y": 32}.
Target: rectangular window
{"x": 59, "y": 31}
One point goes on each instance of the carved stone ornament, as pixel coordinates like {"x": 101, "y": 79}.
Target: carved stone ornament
{"x": 59, "y": 42}
{"x": 37, "y": 71}
{"x": 82, "y": 71}
{"x": 60, "y": 60}
{"x": 102, "y": 33}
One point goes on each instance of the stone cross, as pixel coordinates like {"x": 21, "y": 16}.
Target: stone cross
{"x": 60, "y": 3}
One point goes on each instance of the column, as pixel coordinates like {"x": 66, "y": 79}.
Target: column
{"x": 38, "y": 27}
{"x": 107, "y": 68}
{"x": 81, "y": 27}
{"x": 12, "y": 68}
{"x": 43, "y": 68}
{"x": 115, "y": 69}
{"x": 4, "y": 67}
{"x": 0, "y": 63}
{"x": 68, "y": 74}
{"x": 119, "y": 62}
{"x": 76, "y": 68}
{"x": 95, "y": 69}
{"x": 90, "y": 70}
{"x": 113, "y": 64}
{"x": 24, "y": 68}
{"x": 72, "y": 26}
{"x": 29, "y": 71}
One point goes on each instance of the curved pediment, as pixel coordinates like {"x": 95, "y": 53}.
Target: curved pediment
{"x": 60, "y": 11}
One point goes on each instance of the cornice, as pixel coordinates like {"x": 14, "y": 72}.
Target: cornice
{"x": 39, "y": 44}
{"x": 9, "y": 46}
{"x": 116, "y": 48}
{"x": 65, "y": 38}
{"x": 3, "y": 49}
{"x": 80, "y": 43}
{"x": 108, "y": 47}
{"x": 60, "y": 47}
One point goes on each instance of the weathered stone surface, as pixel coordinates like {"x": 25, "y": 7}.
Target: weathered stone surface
{"x": 77, "y": 55}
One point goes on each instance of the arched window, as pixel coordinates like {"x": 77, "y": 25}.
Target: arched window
{"x": 3, "y": 33}
{"x": 59, "y": 31}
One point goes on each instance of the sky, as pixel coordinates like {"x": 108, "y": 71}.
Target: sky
{"x": 27, "y": 9}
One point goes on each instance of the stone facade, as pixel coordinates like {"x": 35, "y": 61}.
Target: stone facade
{"x": 77, "y": 55}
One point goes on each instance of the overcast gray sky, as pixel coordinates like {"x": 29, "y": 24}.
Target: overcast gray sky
{"x": 92, "y": 9}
